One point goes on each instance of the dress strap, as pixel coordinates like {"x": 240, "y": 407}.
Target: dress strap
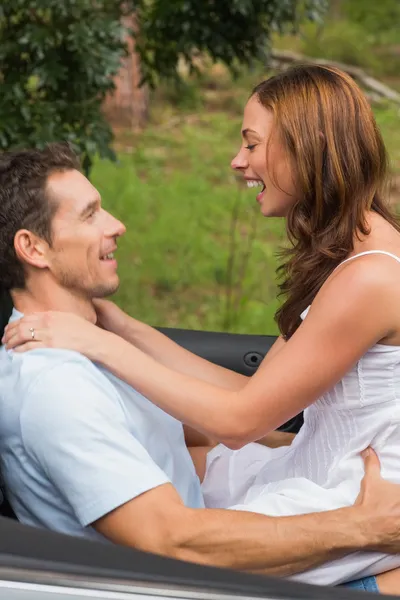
{"x": 369, "y": 252}
{"x": 305, "y": 312}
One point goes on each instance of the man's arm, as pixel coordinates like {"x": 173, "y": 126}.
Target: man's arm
{"x": 273, "y": 439}
{"x": 78, "y": 435}
{"x": 158, "y": 522}
{"x": 75, "y": 430}
{"x": 276, "y": 439}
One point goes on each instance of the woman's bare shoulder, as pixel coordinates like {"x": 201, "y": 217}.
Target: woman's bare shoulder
{"x": 367, "y": 287}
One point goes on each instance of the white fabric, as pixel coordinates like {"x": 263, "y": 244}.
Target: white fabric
{"x": 322, "y": 469}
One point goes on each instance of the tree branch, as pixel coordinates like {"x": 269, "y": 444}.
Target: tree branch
{"x": 376, "y": 90}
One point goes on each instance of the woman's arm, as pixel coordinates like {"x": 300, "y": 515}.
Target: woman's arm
{"x": 352, "y": 313}
{"x": 355, "y": 310}
{"x": 166, "y": 351}
{"x": 163, "y": 349}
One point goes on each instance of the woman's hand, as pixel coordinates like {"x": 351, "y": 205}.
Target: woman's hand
{"x": 110, "y": 316}
{"x": 54, "y": 330}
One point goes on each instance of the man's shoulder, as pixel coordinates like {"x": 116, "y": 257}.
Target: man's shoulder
{"x": 43, "y": 366}
{"x": 64, "y": 390}
{"x": 61, "y": 376}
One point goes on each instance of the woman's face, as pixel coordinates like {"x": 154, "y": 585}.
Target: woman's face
{"x": 275, "y": 198}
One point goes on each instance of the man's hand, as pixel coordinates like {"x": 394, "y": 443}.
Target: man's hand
{"x": 379, "y": 501}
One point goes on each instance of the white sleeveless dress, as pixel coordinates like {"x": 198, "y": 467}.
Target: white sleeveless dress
{"x": 322, "y": 469}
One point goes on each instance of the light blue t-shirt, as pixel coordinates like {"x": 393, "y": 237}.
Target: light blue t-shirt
{"x": 77, "y": 442}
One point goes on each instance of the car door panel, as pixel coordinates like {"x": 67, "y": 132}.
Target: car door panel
{"x": 36, "y": 563}
{"x": 239, "y": 352}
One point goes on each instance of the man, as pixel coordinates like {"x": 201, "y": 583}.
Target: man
{"x": 84, "y": 453}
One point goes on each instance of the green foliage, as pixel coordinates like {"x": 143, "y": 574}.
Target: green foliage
{"x": 198, "y": 254}
{"x": 364, "y": 33}
{"x": 380, "y": 22}
{"x": 175, "y": 260}
{"x": 57, "y": 61}
{"x": 381, "y": 19}
{"x": 342, "y": 41}
{"x": 183, "y": 93}
{"x": 229, "y": 31}
{"x": 58, "y": 57}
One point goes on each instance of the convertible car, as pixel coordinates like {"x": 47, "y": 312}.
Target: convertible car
{"x": 37, "y": 564}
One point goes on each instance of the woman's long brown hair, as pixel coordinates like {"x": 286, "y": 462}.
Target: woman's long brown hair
{"x": 328, "y": 130}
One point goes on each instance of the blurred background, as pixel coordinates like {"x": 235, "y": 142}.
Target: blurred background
{"x": 151, "y": 94}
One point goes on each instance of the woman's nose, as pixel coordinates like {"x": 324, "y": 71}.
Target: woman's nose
{"x": 240, "y": 161}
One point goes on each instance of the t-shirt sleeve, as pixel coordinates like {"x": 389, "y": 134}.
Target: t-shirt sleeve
{"x": 74, "y": 426}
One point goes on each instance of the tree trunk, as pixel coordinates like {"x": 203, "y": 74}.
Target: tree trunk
{"x": 128, "y": 105}
{"x": 335, "y": 9}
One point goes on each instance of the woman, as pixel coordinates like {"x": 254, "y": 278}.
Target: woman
{"x": 310, "y": 140}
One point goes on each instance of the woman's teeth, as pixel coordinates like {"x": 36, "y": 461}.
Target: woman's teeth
{"x": 108, "y": 256}
{"x": 254, "y": 183}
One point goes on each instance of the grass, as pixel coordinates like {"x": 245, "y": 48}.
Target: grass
{"x": 197, "y": 253}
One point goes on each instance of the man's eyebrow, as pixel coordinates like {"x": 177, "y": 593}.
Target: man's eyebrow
{"x": 89, "y": 207}
{"x": 246, "y": 131}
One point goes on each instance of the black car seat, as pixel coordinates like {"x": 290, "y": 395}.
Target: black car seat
{"x": 6, "y": 307}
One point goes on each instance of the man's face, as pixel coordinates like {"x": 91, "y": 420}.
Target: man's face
{"x": 84, "y": 237}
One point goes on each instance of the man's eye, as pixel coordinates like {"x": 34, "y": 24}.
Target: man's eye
{"x": 251, "y": 147}
{"x": 91, "y": 214}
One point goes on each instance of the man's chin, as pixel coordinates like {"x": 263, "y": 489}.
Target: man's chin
{"x": 105, "y": 290}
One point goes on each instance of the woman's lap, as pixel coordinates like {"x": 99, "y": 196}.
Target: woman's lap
{"x": 229, "y": 474}
{"x": 239, "y": 480}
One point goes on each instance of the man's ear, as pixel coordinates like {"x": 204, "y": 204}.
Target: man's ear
{"x": 31, "y": 249}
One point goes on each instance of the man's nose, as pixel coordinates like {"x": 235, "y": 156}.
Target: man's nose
{"x": 240, "y": 161}
{"x": 120, "y": 228}
{"x": 114, "y": 227}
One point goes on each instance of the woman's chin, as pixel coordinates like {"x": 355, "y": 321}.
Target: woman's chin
{"x": 275, "y": 207}
{"x": 272, "y": 211}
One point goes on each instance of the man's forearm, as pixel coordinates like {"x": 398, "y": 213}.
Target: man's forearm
{"x": 158, "y": 522}
{"x": 277, "y": 546}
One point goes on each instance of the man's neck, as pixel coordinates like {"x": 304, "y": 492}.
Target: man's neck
{"x": 52, "y": 297}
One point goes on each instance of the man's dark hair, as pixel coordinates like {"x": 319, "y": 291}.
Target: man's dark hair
{"x": 25, "y": 203}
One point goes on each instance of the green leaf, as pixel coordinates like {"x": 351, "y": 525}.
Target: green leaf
{"x": 58, "y": 59}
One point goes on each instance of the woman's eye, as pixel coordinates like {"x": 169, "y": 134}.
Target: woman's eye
{"x": 251, "y": 147}
{"x": 91, "y": 214}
